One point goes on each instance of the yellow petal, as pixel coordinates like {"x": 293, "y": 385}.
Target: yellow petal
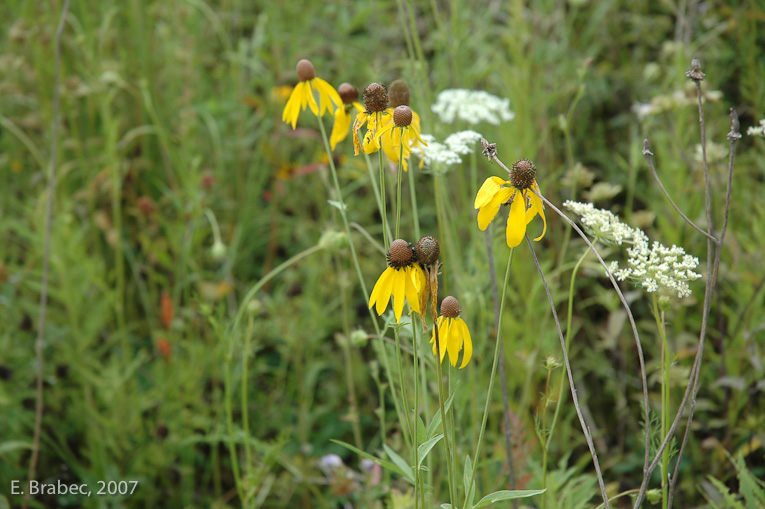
{"x": 370, "y": 146}
{"x": 292, "y": 108}
{"x": 454, "y": 340}
{"x": 489, "y": 188}
{"x": 516, "y": 221}
{"x": 310, "y": 97}
{"x": 382, "y": 291}
{"x": 359, "y": 107}
{"x": 467, "y": 352}
{"x": 399, "y": 292}
{"x": 411, "y": 290}
{"x": 536, "y": 203}
{"x": 443, "y": 336}
{"x": 488, "y": 211}
{"x": 340, "y": 127}
{"x": 327, "y": 95}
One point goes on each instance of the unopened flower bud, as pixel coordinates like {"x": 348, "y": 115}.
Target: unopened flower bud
{"x": 359, "y": 338}
{"x": 218, "y": 250}
{"x": 333, "y": 240}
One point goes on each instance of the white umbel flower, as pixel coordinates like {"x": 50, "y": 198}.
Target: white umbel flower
{"x": 463, "y": 142}
{"x": 757, "y": 130}
{"x": 472, "y": 106}
{"x": 604, "y": 225}
{"x": 666, "y": 270}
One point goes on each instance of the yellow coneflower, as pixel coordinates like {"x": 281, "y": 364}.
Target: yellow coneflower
{"x": 303, "y": 95}
{"x": 402, "y": 280}
{"x": 374, "y": 116}
{"x": 524, "y": 205}
{"x": 398, "y": 95}
{"x": 453, "y": 334}
{"x": 348, "y": 94}
{"x": 402, "y": 134}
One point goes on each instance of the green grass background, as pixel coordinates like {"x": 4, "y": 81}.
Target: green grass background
{"x": 169, "y": 112}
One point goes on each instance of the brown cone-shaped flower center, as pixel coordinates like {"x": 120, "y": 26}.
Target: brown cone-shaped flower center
{"x": 402, "y": 116}
{"x": 427, "y": 250}
{"x": 450, "y": 307}
{"x": 375, "y": 98}
{"x": 348, "y": 93}
{"x": 522, "y": 174}
{"x": 398, "y": 93}
{"x": 400, "y": 253}
{"x": 305, "y": 70}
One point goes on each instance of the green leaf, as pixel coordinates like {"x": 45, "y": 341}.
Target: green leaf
{"x": 13, "y": 445}
{"x": 337, "y": 204}
{"x": 404, "y": 467}
{"x": 467, "y": 476}
{"x": 422, "y": 433}
{"x": 497, "y": 496}
{"x": 436, "y": 422}
{"x": 424, "y": 449}
{"x": 383, "y": 463}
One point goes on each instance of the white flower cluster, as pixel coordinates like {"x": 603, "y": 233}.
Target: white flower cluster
{"x": 439, "y": 156}
{"x": 757, "y": 130}
{"x": 657, "y": 268}
{"x": 604, "y": 225}
{"x": 472, "y": 106}
{"x": 666, "y": 270}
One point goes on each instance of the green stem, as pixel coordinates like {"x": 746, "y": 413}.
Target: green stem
{"x": 357, "y": 266}
{"x": 415, "y": 441}
{"x": 493, "y": 373}
{"x": 403, "y": 386}
{"x": 441, "y": 398}
{"x": 546, "y": 449}
{"x": 413, "y": 198}
{"x": 398, "y": 190}
{"x": 375, "y": 190}
{"x": 665, "y": 417}
{"x": 382, "y": 200}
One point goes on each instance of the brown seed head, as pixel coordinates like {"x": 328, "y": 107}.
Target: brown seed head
{"x": 398, "y": 93}
{"x": 348, "y": 93}
{"x": 402, "y": 116}
{"x": 375, "y": 97}
{"x": 305, "y": 70}
{"x": 427, "y": 250}
{"x": 400, "y": 253}
{"x": 694, "y": 73}
{"x": 450, "y": 307}
{"x": 522, "y": 174}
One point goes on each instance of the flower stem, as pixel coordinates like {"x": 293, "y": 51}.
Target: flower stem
{"x": 382, "y": 200}
{"x": 491, "y": 378}
{"x": 415, "y": 444}
{"x": 665, "y": 363}
{"x": 415, "y": 213}
{"x": 398, "y": 189}
{"x": 562, "y": 375}
{"x": 245, "y": 412}
{"x": 375, "y": 189}
{"x": 441, "y": 398}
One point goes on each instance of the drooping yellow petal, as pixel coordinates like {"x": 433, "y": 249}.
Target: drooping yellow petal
{"x": 310, "y": 97}
{"x": 537, "y": 207}
{"x": 487, "y": 191}
{"x": 340, "y": 127}
{"x": 516, "y": 220}
{"x": 411, "y": 290}
{"x": 467, "y": 350}
{"x": 359, "y": 107}
{"x": 399, "y": 292}
{"x": 488, "y": 211}
{"x": 327, "y": 95}
{"x": 292, "y": 108}
{"x": 433, "y": 335}
{"x": 361, "y": 118}
{"x": 370, "y": 146}
{"x": 382, "y": 290}
{"x": 453, "y": 341}
{"x": 443, "y": 336}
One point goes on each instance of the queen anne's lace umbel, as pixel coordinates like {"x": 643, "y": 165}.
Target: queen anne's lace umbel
{"x": 472, "y": 106}
{"x": 666, "y": 270}
{"x": 604, "y": 225}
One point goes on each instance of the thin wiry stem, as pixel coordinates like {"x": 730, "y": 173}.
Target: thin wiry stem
{"x": 638, "y": 344}
{"x": 585, "y": 428}
{"x": 647, "y": 154}
{"x": 733, "y": 137}
{"x": 39, "y": 407}
{"x": 502, "y": 377}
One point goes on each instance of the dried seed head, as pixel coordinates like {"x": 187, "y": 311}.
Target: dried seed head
{"x": 427, "y": 250}
{"x": 305, "y": 70}
{"x": 400, "y": 254}
{"x": 694, "y": 73}
{"x": 375, "y": 97}
{"x": 398, "y": 94}
{"x": 402, "y": 116}
{"x": 450, "y": 307}
{"x": 522, "y": 174}
{"x": 348, "y": 93}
